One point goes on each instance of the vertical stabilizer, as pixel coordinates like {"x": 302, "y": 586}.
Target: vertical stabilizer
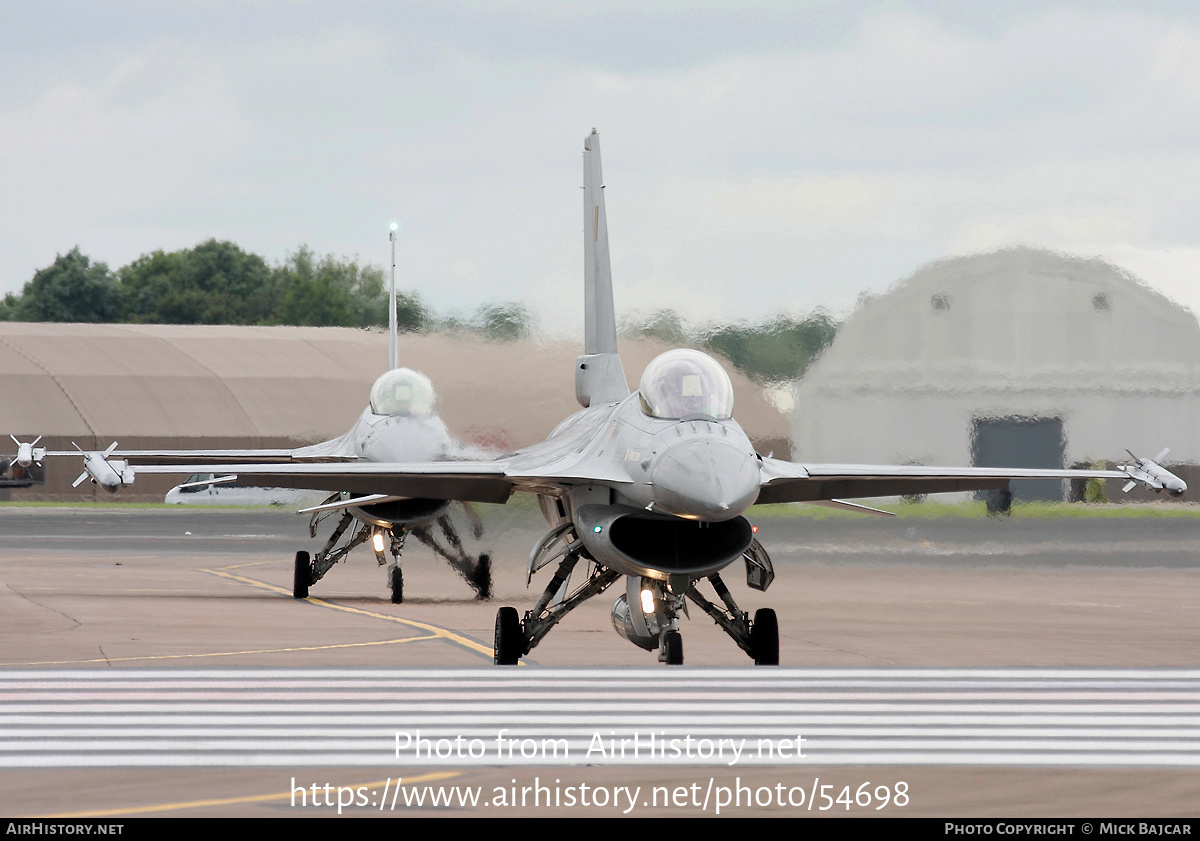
{"x": 599, "y": 377}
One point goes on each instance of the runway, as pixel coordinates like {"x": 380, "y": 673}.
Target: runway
{"x": 154, "y": 663}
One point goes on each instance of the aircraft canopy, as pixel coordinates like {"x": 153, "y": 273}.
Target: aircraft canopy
{"x": 402, "y": 391}
{"x": 681, "y": 383}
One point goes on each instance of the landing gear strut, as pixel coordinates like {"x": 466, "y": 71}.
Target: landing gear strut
{"x": 759, "y": 639}
{"x": 647, "y": 615}
{"x": 516, "y": 637}
{"x": 477, "y": 572}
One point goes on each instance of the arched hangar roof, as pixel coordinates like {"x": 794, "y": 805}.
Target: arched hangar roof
{"x": 1019, "y": 318}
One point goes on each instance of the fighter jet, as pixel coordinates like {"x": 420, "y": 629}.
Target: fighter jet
{"x": 651, "y": 485}
{"x": 399, "y": 425}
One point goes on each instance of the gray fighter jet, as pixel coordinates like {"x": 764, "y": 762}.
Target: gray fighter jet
{"x": 651, "y": 486}
{"x": 399, "y": 425}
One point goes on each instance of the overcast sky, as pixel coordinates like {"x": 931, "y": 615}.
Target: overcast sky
{"x": 758, "y": 156}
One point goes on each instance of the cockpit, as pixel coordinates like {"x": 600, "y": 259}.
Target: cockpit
{"x": 402, "y": 391}
{"x": 683, "y": 383}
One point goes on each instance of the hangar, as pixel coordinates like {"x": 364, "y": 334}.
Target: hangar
{"x": 167, "y": 386}
{"x": 1017, "y": 358}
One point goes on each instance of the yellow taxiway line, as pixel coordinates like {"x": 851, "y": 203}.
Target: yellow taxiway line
{"x": 434, "y": 630}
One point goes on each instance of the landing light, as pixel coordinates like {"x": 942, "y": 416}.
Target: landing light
{"x": 648, "y": 602}
{"x": 377, "y": 541}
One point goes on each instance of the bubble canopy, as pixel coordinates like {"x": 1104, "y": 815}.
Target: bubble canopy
{"x": 402, "y": 391}
{"x": 682, "y": 383}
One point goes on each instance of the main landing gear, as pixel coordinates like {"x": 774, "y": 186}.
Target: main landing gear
{"x": 758, "y": 638}
{"x": 510, "y": 642}
{"x": 476, "y": 571}
{"x": 516, "y": 637}
{"x": 302, "y": 576}
{"x": 647, "y": 614}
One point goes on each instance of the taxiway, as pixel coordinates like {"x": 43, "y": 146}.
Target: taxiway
{"x": 195, "y": 593}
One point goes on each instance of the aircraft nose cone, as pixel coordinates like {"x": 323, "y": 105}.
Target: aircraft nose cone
{"x": 705, "y": 480}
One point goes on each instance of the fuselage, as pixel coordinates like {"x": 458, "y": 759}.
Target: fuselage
{"x": 394, "y": 438}
{"x": 400, "y": 438}
{"x": 666, "y": 495}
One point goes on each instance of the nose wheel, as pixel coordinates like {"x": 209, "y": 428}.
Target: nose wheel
{"x": 671, "y": 650}
{"x": 396, "y": 580}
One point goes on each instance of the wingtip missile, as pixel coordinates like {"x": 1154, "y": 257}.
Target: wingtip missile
{"x": 1148, "y": 472}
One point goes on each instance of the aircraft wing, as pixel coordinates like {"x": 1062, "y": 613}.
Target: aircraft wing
{"x": 465, "y": 481}
{"x": 460, "y": 480}
{"x": 785, "y": 481}
{"x": 190, "y": 456}
{"x": 338, "y": 449}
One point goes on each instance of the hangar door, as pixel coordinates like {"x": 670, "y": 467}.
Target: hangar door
{"x": 1022, "y": 442}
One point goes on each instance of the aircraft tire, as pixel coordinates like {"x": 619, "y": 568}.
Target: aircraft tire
{"x": 510, "y": 640}
{"x": 764, "y": 638}
{"x": 673, "y": 646}
{"x": 300, "y": 576}
{"x": 396, "y": 580}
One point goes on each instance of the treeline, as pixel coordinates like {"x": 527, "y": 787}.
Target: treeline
{"x": 770, "y": 353}
{"x": 219, "y": 283}
{"x": 213, "y": 283}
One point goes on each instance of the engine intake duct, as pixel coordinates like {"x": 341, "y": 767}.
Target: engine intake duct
{"x": 638, "y": 542}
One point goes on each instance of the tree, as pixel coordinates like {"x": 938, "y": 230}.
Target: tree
{"x": 330, "y": 292}
{"x": 503, "y": 322}
{"x": 213, "y": 283}
{"x": 71, "y": 289}
{"x": 411, "y": 315}
{"x": 664, "y": 325}
{"x": 9, "y": 307}
{"x": 776, "y": 351}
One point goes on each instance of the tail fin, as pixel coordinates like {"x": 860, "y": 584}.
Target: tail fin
{"x": 599, "y": 377}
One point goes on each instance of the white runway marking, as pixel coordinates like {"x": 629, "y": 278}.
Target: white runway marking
{"x": 352, "y": 717}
